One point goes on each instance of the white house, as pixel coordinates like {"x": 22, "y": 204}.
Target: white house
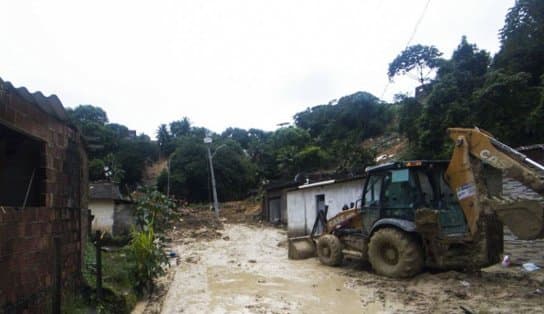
{"x": 304, "y": 201}
{"x": 112, "y": 213}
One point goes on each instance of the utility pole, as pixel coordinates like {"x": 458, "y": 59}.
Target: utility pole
{"x": 208, "y": 140}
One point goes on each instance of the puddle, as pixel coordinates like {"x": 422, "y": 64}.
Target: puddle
{"x": 232, "y": 291}
{"x": 251, "y": 274}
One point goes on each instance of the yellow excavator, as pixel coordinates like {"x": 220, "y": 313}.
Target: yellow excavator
{"x": 439, "y": 214}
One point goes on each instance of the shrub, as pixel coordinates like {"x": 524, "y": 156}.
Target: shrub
{"x": 153, "y": 209}
{"x": 148, "y": 257}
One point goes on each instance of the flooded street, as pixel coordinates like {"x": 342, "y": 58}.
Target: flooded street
{"x": 246, "y": 270}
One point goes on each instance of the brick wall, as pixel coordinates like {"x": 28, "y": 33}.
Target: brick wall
{"x": 37, "y": 241}
{"x": 28, "y": 257}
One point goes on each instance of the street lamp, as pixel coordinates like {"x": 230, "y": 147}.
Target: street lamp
{"x": 208, "y": 141}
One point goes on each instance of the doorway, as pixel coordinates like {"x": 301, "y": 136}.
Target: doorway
{"x": 319, "y": 206}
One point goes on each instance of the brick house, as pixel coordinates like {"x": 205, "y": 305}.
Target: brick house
{"x": 43, "y": 201}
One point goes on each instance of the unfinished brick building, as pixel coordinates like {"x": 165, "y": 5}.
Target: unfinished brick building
{"x": 43, "y": 201}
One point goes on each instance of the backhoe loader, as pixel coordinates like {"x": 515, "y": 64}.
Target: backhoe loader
{"x": 438, "y": 214}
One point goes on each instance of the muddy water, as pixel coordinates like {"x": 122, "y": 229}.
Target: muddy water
{"x": 250, "y": 273}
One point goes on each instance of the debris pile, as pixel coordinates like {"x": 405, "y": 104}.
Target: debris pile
{"x": 197, "y": 223}
{"x": 247, "y": 211}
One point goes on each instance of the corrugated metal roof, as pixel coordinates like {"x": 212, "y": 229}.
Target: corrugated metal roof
{"x": 48, "y": 104}
{"x": 104, "y": 191}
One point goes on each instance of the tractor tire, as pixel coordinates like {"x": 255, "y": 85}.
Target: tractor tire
{"x": 329, "y": 250}
{"x": 394, "y": 253}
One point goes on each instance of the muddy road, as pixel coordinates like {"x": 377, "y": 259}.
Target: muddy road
{"x": 246, "y": 270}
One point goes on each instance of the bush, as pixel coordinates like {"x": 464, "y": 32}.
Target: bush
{"x": 146, "y": 252}
{"x": 153, "y": 209}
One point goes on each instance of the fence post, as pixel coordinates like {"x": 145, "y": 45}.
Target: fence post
{"x": 98, "y": 246}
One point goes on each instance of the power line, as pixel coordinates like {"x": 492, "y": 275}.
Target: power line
{"x": 417, "y": 24}
{"x": 414, "y": 31}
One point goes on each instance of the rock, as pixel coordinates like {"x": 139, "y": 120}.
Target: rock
{"x": 226, "y": 238}
{"x": 464, "y": 283}
{"x": 460, "y": 294}
{"x": 252, "y": 261}
{"x": 192, "y": 259}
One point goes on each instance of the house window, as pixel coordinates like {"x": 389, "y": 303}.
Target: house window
{"x": 22, "y": 165}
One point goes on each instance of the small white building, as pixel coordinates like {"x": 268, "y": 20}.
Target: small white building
{"x": 112, "y": 213}
{"x": 304, "y": 202}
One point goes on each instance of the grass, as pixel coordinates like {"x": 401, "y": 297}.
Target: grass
{"x": 119, "y": 295}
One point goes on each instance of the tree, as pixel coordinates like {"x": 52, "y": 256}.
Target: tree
{"x": 450, "y": 102}
{"x": 96, "y": 169}
{"x": 410, "y": 110}
{"x": 239, "y": 135}
{"x": 164, "y": 139}
{"x": 113, "y": 169}
{"x": 181, "y": 127}
{"x": 88, "y": 113}
{"x": 507, "y": 106}
{"x": 133, "y": 156}
{"x": 422, "y": 59}
{"x": 522, "y": 40}
{"x": 189, "y": 171}
{"x": 119, "y": 130}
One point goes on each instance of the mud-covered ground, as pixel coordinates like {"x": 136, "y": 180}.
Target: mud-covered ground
{"x": 244, "y": 269}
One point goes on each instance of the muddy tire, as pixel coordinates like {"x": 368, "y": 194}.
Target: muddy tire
{"x": 394, "y": 253}
{"x": 329, "y": 250}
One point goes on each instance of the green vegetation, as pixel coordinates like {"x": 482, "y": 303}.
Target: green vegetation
{"x": 114, "y": 153}
{"x": 145, "y": 251}
{"x": 153, "y": 209}
{"x": 119, "y": 294}
{"x": 149, "y": 259}
{"x": 503, "y": 95}
{"x": 418, "y": 58}
{"x": 127, "y": 271}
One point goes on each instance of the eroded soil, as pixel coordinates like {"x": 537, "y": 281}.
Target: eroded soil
{"x": 244, "y": 269}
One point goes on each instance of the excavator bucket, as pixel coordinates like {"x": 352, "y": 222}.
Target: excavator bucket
{"x": 301, "y": 247}
{"x": 525, "y": 218}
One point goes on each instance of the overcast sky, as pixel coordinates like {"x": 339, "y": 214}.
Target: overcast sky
{"x": 242, "y": 63}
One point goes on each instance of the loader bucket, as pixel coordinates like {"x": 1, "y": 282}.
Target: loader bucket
{"x": 301, "y": 247}
{"x": 525, "y": 218}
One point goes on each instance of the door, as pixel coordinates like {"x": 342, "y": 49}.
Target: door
{"x": 319, "y": 206}
{"x": 274, "y": 210}
{"x": 371, "y": 205}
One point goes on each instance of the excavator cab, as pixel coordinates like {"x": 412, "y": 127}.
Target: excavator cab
{"x": 394, "y": 192}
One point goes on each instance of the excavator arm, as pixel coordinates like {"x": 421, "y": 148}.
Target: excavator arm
{"x": 475, "y": 147}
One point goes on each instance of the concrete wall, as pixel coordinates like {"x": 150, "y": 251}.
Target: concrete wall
{"x": 301, "y": 204}
{"x": 102, "y": 210}
{"x": 123, "y": 218}
{"x": 40, "y": 247}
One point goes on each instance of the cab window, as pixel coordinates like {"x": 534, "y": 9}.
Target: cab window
{"x": 399, "y": 189}
{"x": 373, "y": 191}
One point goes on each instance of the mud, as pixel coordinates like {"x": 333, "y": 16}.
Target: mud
{"x": 246, "y": 270}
